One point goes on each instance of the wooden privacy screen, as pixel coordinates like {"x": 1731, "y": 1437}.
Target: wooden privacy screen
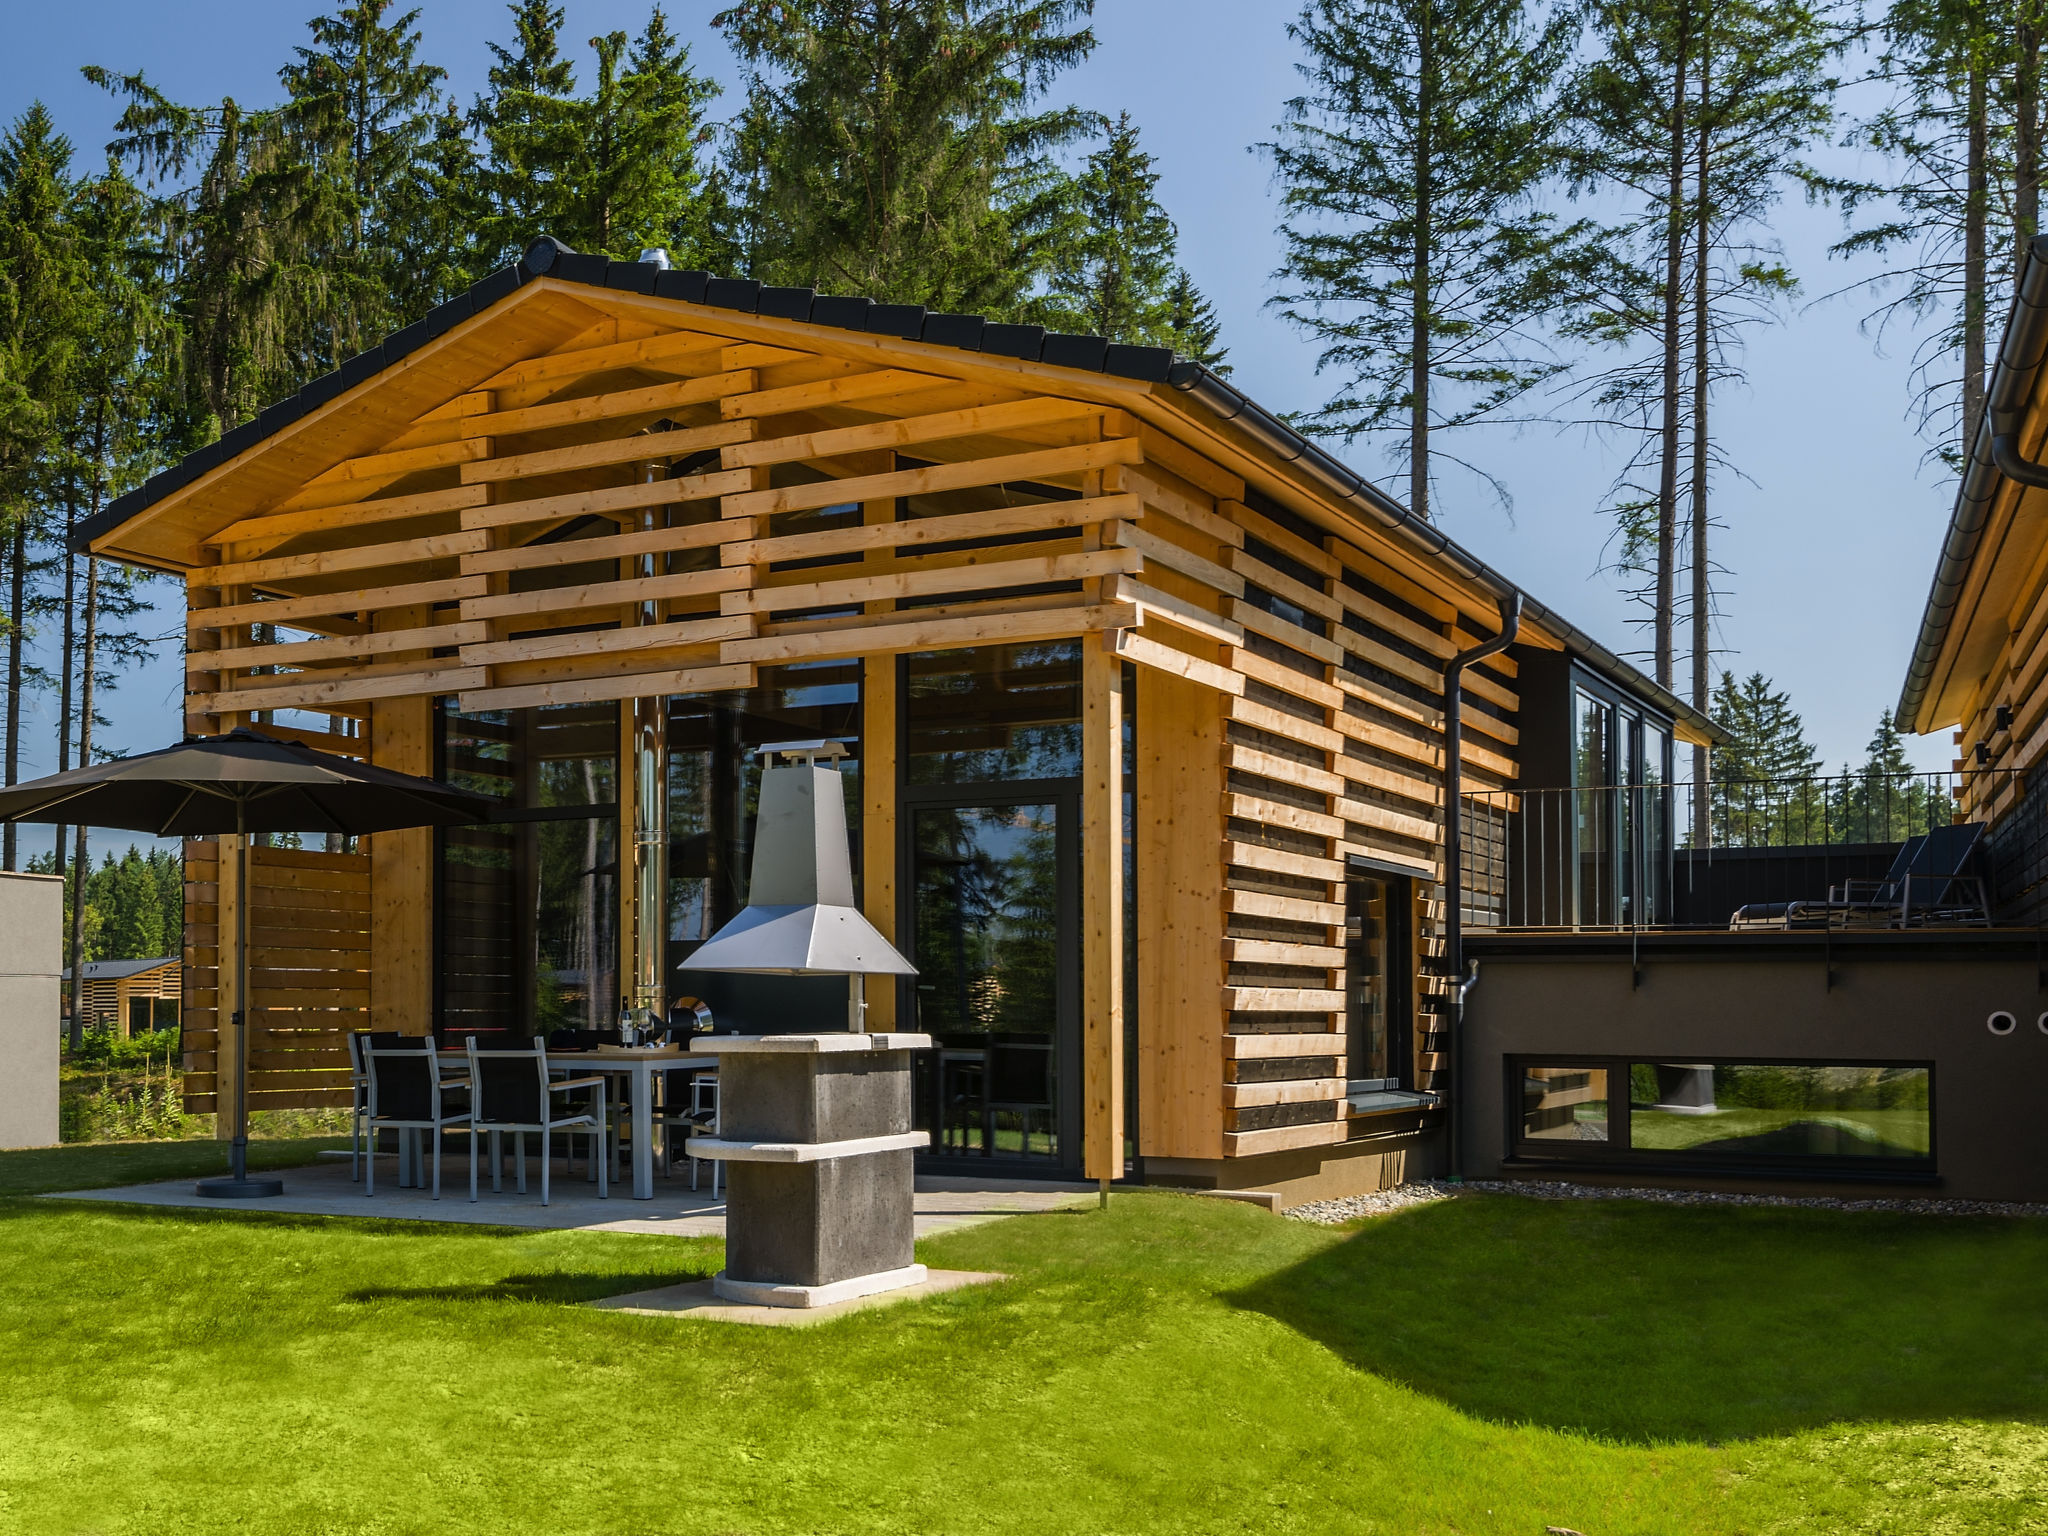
{"x": 309, "y": 942}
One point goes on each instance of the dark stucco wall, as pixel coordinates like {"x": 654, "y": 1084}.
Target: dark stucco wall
{"x": 1759, "y": 1001}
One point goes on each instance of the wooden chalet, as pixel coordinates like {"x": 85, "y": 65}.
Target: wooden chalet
{"x": 1141, "y": 695}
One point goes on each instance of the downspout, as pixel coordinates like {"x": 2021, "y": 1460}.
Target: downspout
{"x": 2005, "y": 453}
{"x": 1454, "y": 860}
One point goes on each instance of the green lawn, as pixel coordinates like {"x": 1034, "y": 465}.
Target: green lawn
{"x": 1478, "y": 1366}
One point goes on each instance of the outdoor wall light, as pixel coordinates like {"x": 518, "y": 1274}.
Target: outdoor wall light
{"x": 2042, "y": 1023}
{"x": 2003, "y": 1023}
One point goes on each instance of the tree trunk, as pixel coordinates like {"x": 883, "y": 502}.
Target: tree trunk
{"x": 1976, "y": 217}
{"x": 17, "y": 601}
{"x": 64, "y": 664}
{"x": 1418, "y": 305}
{"x": 1702, "y": 360}
{"x": 1667, "y": 448}
{"x": 2026, "y": 141}
{"x": 80, "y": 867}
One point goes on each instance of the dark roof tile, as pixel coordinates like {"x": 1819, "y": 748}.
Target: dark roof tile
{"x": 1013, "y": 340}
{"x": 904, "y": 320}
{"x": 786, "y": 303}
{"x": 576, "y": 267}
{"x": 962, "y": 331}
{"x": 631, "y": 276}
{"x": 1074, "y": 352}
{"x": 406, "y": 342}
{"x": 443, "y": 318}
{"x": 322, "y": 390}
{"x": 360, "y": 367}
{"x": 1129, "y": 362}
{"x": 740, "y": 293}
{"x": 277, "y": 418}
{"x": 228, "y": 444}
{"x": 687, "y": 287}
{"x": 504, "y": 281}
{"x": 844, "y": 312}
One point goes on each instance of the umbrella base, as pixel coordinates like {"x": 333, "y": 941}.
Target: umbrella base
{"x": 241, "y": 1189}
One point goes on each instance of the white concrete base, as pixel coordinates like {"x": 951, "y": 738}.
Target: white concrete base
{"x": 762, "y": 1293}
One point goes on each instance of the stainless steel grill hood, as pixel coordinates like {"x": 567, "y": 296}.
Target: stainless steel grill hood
{"x": 801, "y": 919}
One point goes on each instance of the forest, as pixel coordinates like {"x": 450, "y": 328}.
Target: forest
{"x": 1491, "y": 210}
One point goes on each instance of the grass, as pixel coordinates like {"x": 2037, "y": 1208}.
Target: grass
{"x": 1490, "y": 1365}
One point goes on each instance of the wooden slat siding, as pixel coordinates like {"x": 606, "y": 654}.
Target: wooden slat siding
{"x": 982, "y": 570}
{"x": 1042, "y": 517}
{"x": 905, "y": 432}
{"x": 844, "y": 390}
{"x": 637, "y": 449}
{"x": 307, "y": 989}
{"x": 1181, "y": 1022}
{"x": 408, "y": 553}
{"x": 1044, "y": 464}
{"x": 362, "y": 514}
{"x": 295, "y": 653}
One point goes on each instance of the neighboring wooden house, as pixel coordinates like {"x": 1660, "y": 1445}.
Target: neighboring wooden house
{"x": 1143, "y": 697}
{"x": 1980, "y": 665}
{"x": 134, "y": 996}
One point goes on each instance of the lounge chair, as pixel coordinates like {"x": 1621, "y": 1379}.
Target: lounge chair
{"x": 1927, "y": 883}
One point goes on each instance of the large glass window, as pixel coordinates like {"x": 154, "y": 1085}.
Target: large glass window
{"x": 994, "y": 714}
{"x": 1779, "y": 1111}
{"x": 1592, "y": 769}
{"x": 714, "y": 779}
{"x": 1378, "y": 937}
{"x": 1732, "y": 1114}
{"x": 994, "y": 946}
{"x": 528, "y": 909}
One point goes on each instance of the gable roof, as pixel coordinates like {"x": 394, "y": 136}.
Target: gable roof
{"x": 1192, "y": 383}
{"x": 120, "y": 970}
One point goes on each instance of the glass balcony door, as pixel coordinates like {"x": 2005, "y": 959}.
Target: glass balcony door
{"x": 993, "y": 921}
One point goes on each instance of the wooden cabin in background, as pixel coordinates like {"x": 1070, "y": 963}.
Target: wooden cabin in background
{"x": 132, "y": 997}
{"x": 1141, "y": 693}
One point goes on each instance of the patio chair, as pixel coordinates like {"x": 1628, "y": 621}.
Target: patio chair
{"x": 513, "y": 1092}
{"x": 1926, "y": 883}
{"x": 359, "y": 1103}
{"x": 408, "y": 1093}
{"x": 696, "y": 1116}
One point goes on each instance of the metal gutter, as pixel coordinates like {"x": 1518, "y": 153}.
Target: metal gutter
{"x": 2013, "y": 377}
{"x": 1344, "y": 485}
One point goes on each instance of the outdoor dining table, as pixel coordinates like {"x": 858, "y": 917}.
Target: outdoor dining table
{"x": 637, "y": 1064}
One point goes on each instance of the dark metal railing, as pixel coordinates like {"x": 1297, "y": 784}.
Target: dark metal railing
{"x": 1671, "y": 856}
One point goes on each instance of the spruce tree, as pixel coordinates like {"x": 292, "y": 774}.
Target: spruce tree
{"x": 1116, "y": 274}
{"x": 897, "y": 148}
{"x": 527, "y": 122}
{"x": 365, "y": 108}
{"x": 1417, "y": 255}
{"x": 638, "y": 183}
{"x": 40, "y": 283}
{"x": 1764, "y": 790}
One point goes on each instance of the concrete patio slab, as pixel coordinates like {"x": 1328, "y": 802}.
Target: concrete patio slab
{"x": 944, "y": 1202}
{"x": 697, "y": 1300}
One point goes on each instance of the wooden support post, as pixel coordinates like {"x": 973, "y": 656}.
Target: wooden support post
{"x": 1102, "y": 901}
{"x": 402, "y": 863}
{"x": 879, "y": 779}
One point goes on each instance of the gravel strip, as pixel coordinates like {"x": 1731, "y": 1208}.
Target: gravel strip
{"x": 1427, "y": 1191}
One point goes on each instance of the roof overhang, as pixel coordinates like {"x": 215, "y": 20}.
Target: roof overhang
{"x": 555, "y": 294}
{"x": 1997, "y": 536}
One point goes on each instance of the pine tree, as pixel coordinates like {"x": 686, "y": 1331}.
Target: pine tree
{"x": 894, "y": 148}
{"x": 1115, "y": 274}
{"x": 40, "y": 281}
{"x": 244, "y": 216}
{"x": 1697, "y": 111}
{"x": 1963, "y": 133}
{"x": 366, "y": 108}
{"x": 1417, "y": 254}
{"x": 527, "y": 121}
{"x": 1885, "y": 801}
{"x": 639, "y": 184}
{"x": 1764, "y": 790}
{"x": 1191, "y": 325}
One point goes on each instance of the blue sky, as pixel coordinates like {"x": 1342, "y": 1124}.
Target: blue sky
{"x": 1829, "y": 540}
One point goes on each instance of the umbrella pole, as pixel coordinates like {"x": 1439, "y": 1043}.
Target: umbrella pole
{"x": 240, "y": 1155}
{"x": 238, "y": 1185}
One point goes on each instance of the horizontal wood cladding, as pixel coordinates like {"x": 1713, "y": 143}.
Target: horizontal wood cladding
{"x": 309, "y": 943}
{"x": 649, "y": 506}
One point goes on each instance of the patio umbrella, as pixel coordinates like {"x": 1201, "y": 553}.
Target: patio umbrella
{"x": 240, "y": 783}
